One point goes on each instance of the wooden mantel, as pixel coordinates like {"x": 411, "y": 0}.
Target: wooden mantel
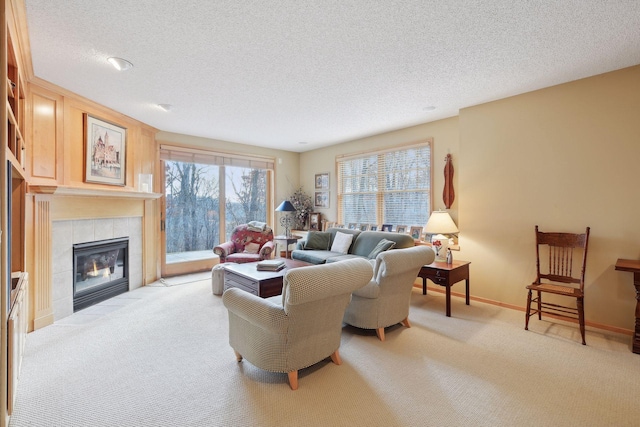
{"x": 62, "y": 190}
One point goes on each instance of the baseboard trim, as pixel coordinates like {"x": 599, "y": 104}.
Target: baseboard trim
{"x": 604, "y": 327}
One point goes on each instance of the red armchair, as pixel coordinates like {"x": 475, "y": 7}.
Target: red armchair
{"x": 247, "y": 244}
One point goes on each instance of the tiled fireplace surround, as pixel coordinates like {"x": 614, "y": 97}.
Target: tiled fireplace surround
{"x": 69, "y": 232}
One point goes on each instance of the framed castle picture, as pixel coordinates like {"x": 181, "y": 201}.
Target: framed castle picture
{"x": 105, "y": 148}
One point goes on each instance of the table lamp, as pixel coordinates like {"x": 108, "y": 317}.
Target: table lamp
{"x": 286, "y": 220}
{"x": 438, "y": 225}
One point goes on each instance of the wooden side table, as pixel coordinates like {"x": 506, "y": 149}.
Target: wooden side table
{"x": 633, "y": 266}
{"x": 287, "y": 241}
{"x": 446, "y": 275}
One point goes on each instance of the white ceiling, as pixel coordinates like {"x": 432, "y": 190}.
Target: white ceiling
{"x": 277, "y": 73}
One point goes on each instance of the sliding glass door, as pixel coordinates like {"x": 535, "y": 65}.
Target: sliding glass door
{"x": 202, "y": 205}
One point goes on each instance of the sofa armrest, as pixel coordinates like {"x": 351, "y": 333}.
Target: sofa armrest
{"x": 223, "y": 250}
{"x": 266, "y": 249}
{"x": 260, "y": 312}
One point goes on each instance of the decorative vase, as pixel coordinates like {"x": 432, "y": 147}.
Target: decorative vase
{"x": 440, "y": 245}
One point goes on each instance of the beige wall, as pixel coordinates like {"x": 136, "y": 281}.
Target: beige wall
{"x": 286, "y": 176}
{"x": 445, "y": 140}
{"x": 563, "y": 158}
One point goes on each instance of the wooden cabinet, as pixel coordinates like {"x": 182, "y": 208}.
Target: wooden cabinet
{"x": 14, "y": 307}
{"x": 16, "y": 333}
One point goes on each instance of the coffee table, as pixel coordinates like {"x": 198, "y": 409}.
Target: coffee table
{"x": 261, "y": 283}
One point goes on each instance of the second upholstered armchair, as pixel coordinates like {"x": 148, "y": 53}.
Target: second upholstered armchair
{"x": 385, "y": 300}
{"x": 248, "y": 243}
{"x": 305, "y": 327}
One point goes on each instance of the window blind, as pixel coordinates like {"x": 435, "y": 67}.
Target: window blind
{"x": 193, "y": 155}
{"x": 386, "y": 187}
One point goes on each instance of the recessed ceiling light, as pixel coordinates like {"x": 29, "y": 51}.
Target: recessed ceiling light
{"x": 429, "y": 108}
{"x": 165, "y": 107}
{"x": 119, "y": 63}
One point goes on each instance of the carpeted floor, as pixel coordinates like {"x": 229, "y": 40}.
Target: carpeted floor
{"x": 159, "y": 356}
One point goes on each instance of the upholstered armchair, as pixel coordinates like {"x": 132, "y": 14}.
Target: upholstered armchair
{"x": 385, "y": 300}
{"x": 247, "y": 244}
{"x": 301, "y": 328}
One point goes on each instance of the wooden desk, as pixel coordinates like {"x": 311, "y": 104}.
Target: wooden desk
{"x": 633, "y": 266}
{"x": 446, "y": 275}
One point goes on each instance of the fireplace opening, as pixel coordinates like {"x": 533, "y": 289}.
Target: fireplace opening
{"x": 100, "y": 271}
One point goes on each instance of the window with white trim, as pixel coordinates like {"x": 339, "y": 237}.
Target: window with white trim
{"x": 386, "y": 187}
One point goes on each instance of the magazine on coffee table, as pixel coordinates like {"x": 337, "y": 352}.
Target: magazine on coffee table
{"x": 271, "y": 265}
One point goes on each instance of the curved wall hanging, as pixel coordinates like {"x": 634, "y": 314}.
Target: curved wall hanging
{"x": 448, "y": 195}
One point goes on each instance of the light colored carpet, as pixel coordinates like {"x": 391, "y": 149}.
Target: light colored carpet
{"x": 181, "y": 280}
{"x": 159, "y": 356}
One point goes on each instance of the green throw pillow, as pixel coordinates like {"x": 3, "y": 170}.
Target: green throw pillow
{"x": 318, "y": 240}
{"x": 382, "y": 246}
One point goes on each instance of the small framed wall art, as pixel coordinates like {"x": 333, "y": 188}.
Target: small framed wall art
{"x": 105, "y": 148}
{"x": 322, "y": 181}
{"x": 321, "y": 199}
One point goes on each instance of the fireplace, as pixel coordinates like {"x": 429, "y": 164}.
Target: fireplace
{"x": 100, "y": 271}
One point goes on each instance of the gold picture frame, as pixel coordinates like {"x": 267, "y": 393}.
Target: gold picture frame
{"x": 105, "y": 152}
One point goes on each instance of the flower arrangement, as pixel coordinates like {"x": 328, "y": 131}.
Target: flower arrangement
{"x": 304, "y": 206}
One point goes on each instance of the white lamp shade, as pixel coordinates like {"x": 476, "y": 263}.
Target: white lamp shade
{"x": 440, "y": 222}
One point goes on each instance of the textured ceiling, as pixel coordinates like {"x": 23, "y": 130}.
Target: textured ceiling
{"x": 277, "y": 73}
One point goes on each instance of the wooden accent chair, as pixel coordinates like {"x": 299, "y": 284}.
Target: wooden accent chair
{"x": 385, "y": 300}
{"x": 303, "y": 328}
{"x": 555, "y": 258}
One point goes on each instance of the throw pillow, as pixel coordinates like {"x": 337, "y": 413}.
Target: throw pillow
{"x": 251, "y": 248}
{"x": 318, "y": 240}
{"x": 382, "y": 246}
{"x": 341, "y": 242}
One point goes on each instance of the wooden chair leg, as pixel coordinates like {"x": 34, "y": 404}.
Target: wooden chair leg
{"x": 580, "y": 304}
{"x": 335, "y": 358}
{"x": 293, "y": 380}
{"x": 238, "y": 356}
{"x": 406, "y": 323}
{"x": 380, "y": 333}
{"x": 526, "y": 316}
{"x": 539, "y": 305}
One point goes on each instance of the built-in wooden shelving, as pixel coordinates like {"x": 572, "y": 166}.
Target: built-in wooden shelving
{"x": 13, "y": 186}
